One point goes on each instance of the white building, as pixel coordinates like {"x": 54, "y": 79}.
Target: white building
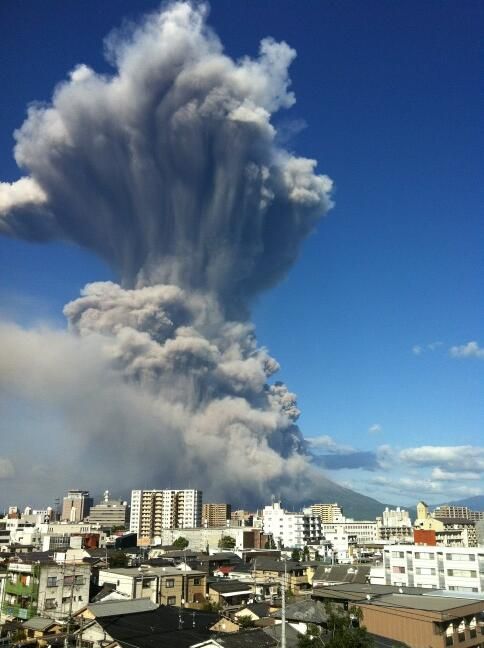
{"x": 365, "y": 531}
{"x": 395, "y": 525}
{"x": 456, "y": 568}
{"x": 154, "y": 510}
{"x": 343, "y": 545}
{"x": 294, "y": 530}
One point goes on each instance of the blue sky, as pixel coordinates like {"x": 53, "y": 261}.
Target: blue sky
{"x": 391, "y": 282}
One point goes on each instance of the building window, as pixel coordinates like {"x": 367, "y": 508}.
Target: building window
{"x": 197, "y": 581}
{"x": 398, "y": 570}
{"x": 79, "y": 580}
{"x": 397, "y": 554}
{"x": 170, "y": 582}
{"x": 453, "y": 556}
{"x": 462, "y": 573}
{"x": 49, "y": 604}
{"x": 52, "y": 581}
{"x": 171, "y": 600}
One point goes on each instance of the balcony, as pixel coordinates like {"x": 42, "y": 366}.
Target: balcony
{"x": 19, "y": 612}
{"x": 19, "y": 589}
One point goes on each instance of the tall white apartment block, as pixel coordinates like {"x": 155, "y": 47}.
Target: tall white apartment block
{"x": 154, "y": 510}
{"x": 292, "y": 530}
{"x": 458, "y": 569}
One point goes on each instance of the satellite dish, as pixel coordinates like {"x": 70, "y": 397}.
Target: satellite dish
{"x": 400, "y": 590}
{"x": 368, "y": 597}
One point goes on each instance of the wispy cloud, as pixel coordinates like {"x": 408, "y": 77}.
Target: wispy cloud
{"x": 418, "y": 349}
{"x": 455, "y": 458}
{"x": 7, "y": 469}
{"x": 469, "y": 350}
{"x": 438, "y": 474}
{"x": 375, "y": 428}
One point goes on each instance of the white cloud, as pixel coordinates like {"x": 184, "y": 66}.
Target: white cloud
{"x": 375, "y": 428}
{"x": 469, "y": 350}
{"x": 457, "y": 458}
{"x": 444, "y": 475}
{"x": 418, "y": 349}
{"x": 21, "y": 193}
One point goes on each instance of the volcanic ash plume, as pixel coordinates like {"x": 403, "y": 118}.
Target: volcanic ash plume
{"x": 169, "y": 170}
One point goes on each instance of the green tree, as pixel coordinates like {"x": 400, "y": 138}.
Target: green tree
{"x": 343, "y": 630}
{"x": 181, "y": 543}
{"x": 245, "y": 621}
{"x": 118, "y": 559}
{"x": 306, "y": 553}
{"x": 270, "y": 544}
{"x": 296, "y": 555}
{"x": 226, "y": 542}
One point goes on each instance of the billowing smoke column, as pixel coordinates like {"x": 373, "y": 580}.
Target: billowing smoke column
{"x": 169, "y": 170}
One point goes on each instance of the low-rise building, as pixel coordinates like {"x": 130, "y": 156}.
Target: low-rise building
{"x": 37, "y": 585}
{"x": 162, "y": 585}
{"x": 288, "y": 529}
{"x": 456, "y": 569}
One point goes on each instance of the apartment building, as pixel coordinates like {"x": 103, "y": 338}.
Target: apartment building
{"x": 394, "y": 525}
{"x": 152, "y": 511}
{"x": 36, "y": 587}
{"x": 461, "y": 512}
{"x": 76, "y": 505}
{"x": 456, "y": 568}
{"x": 216, "y": 515}
{"x": 328, "y": 512}
{"x": 291, "y": 530}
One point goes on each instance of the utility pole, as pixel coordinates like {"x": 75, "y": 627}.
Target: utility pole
{"x": 283, "y": 615}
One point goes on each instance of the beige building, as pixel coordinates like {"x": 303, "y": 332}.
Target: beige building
{"x": 110, "y": 513}
{"x": 155, "y": 510}
{"x": 162, "y": 585}
{"x": 327, "y": 512}
{"x": 76, "y": 505}
{"x": 216, "y": 515}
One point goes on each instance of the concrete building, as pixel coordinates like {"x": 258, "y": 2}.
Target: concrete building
{"x": 411, "y": 617}
{"x": 162, "y": 585}
{"x": 456, "y": 569}
{"x": 450, "y": 532}
{"x": 155, "y": 510}
{"x": 366, "y": 531}
{"x": 328, "y": 512}
{"x": 40, "y": 586}
{"x": 394, "y": 525}
{"x": 242, "y": 518}
{"x": 201, "y": 538}
{"x": 76, "y": 505}
{"x": 461, "y": 512}
{"x": 110, "y": 513}
{"x": 291, "y": 530}
{"x": 216, "y": 515}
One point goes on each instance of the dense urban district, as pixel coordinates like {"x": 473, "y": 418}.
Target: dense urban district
{"x": 169, "y": 571}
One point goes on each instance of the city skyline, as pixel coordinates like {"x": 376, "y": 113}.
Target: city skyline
{"x": 376, "y": 327}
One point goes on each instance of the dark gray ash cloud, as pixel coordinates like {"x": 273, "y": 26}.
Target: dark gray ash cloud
{"x": 170, "y": 169}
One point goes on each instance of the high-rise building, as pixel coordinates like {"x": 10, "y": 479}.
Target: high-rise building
{"x": 76, "y": 505}
{"x": 328, "y": 512}
{"x": 154, "y": 510}
{"x": 216, "y": 515}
